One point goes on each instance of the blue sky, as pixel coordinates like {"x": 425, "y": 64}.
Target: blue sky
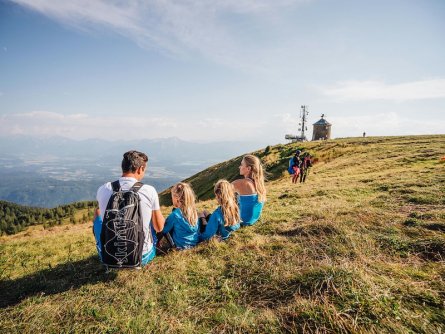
{"x": 220, "y": 70}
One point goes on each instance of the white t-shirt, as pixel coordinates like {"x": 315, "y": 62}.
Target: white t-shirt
{"x": 149, "y": 201}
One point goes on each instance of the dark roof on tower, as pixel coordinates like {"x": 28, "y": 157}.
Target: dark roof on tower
{"x": 322, "y": 121}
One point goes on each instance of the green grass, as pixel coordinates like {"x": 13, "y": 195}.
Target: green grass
{"x": 358, "y": 248}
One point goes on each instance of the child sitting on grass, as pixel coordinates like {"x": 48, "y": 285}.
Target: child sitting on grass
{"x": 182, "y": 224}
{"x": 226, "y": 218}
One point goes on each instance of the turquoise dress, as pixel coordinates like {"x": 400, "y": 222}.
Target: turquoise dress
{"x": 215, "y": 226}
{"x": 250, "y": 209}
{"x": 184, "y": 235}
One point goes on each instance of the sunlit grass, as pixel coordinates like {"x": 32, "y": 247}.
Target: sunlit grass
{"x": 359, "y": 247}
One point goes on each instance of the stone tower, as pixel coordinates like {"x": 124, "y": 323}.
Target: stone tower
{"x": 322, "y": 129}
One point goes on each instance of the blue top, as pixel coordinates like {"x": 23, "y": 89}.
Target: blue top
{"x": 184, "y": 235}
{"x": 215, "y": 226}
{"x": 250, "y": 209}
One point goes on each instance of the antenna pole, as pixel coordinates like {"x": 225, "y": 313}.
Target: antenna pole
{"x": 294, "y": 138}
{"x": 304, "y": 112}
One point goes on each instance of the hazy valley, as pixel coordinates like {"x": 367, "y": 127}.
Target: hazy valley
{"x": 55, "y": 171}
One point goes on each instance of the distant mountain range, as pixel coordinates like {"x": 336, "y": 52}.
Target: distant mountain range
{"x": 52, "y": 171}
{"x": 166, "y": 149}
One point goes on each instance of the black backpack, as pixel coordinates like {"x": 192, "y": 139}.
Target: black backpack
{"x": 122, "y": 234}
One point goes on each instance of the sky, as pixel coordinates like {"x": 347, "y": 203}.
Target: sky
{"x": 220, "y": 70}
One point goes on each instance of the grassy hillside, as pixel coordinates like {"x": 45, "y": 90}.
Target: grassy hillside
{"x": 359, "y": 248}
{"x": 275, "y": 160}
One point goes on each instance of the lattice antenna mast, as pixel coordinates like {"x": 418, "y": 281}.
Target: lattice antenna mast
{"x": 303, "y": 119}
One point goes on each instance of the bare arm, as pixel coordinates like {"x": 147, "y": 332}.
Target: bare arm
{"x": 158, "y": 220}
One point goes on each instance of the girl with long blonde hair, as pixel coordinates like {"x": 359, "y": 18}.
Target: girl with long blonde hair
{"x": 182, "y": 223}
{"x": 251, "y": 189}
{"x": 226, "y": 218}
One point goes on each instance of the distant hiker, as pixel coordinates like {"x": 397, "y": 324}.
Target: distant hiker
{"x": 182, "y": 223}
{"x": 294, "y": 166}
{"x": 226, "y": 218}
{"x": 364, "y": 134}
{"x": 251, "y": 189}
{"x": 130, "y": 215}
{"x": 305, "y": 165}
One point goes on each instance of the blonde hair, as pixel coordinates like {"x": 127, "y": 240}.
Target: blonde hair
{"x": 225, "y": 195}
{"x": 186, "y": 197}
{"x": 257, "y": 175}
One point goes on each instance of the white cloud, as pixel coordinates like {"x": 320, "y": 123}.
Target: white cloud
{"x": 265, "y": 130}
{"x": 376, "y": 90}
{"x": 82, "y": 126}
{"x": 50, "y": 116}
{"x": 187, "y": 28}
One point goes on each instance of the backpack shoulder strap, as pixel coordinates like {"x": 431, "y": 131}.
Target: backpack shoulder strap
{"x": 116, "y": 186}
{"x": 136, "y": 187}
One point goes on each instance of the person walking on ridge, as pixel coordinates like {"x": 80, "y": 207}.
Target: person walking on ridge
{"x": 306, "y": 164}
{"x": 294, "y": 166}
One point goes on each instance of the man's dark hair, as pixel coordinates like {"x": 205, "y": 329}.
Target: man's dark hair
{"x": 133, "y": 160}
